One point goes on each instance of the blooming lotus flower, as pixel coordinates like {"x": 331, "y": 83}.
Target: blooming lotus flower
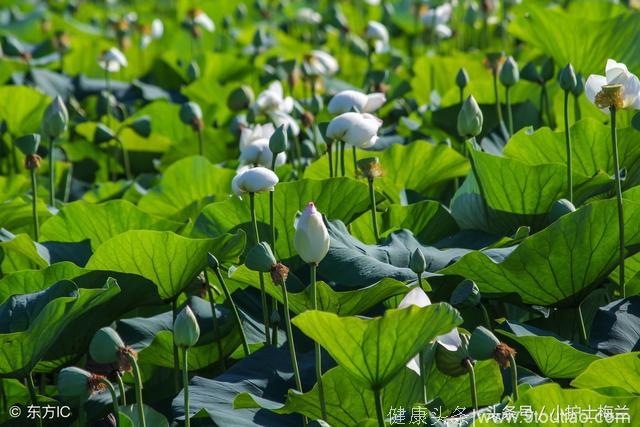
{"x": 203, "y": 20}
{"x": 356, "y": 129}
{"x": 186, "y": 330}
{"x": 253, "y": 180}
{"x": 153, "y": 32}
{"x": 311, "y": 238}
{"x": 627, "y": 96}
{"x": 321, "y": 63}
{"x": 349, "y": 100}
{"x": 437, "y": 19}
{"x": 112, "y": 60}
{"x": 254, "y": 146}
{"x": 451, "y": 340}
{"x": 272, "y": 99}
{"x": 378, "y": 34}
{"x": 308, "y": 16}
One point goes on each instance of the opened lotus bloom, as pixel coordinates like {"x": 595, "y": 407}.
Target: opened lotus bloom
{"x": 112, "y": 60}
{"x": 273, "y": 99}
{"x": 356, "y": 129}
{"x": 319, "y": 62}
{"x": 311, "y": 238}
{"x": 254, "y": 146}
{"x": 379, "y": 35}
{"x": 254, "y": 180}
{"x": 352, "y": 100}
{"x": 618, "y": 88}
{"x": 437, "y": 19}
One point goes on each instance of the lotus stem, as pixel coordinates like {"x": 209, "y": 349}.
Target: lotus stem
{"x": 274, "y": 302}
{"x": 34, "y": 203}
{"x": 472, "y": 383}
{"x": 236, "y": 313}
{"x": 314, "y": 292}
{"x": 583, "y": 329}
{"x": 496, "y": 95}
{"x": 514, "y": 376}
{"x": 200, "y": 142}
{"x": 176, "y": 360}
{"x": 185, "y": 383}
{"x": 125, "y": 160}
{"x": 32, "y": 390}
{"x": 138, "y": 387}
{"x": 292, "y": 347}
{"x": 114, "y": 399}
{"x": 372, "y": 198}
{"x": 342, "y": 165}
{"x": 355, "y": 160}
{"x": 379, "y": 411}
{"x": 576, "y": 108}
{"x": 263, "y": 293}
{"x": 614, "y": 140}
{"x": 461, "y": 96}
{"x": 123, "y": 393}
{"x": 216, "y": 325}
{"x": 52, "y": 175}
{"x": 567, "y": 138}
{"x": 330, "y": 155}
{"x": 507, "y": 98}
{"x": 485, "y": 316}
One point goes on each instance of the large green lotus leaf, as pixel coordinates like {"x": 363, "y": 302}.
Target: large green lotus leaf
{"x": 428, "y": 220}
{"x": 621, "y": 371}
{"x": 614, "y": 328}
{"x": 344, "y": 303}
{"x": 590, "y": 145}
{"x": 16, "y": 215}
{"x": 80, "y": 220}
{"x": 347, "y": 400}
{"x": 22, "y": 107}
{"x": 436, "y": 164}
{"x": 559, "y": 262}
{"x": 215, "y": 147}
{"x": 375, "y": 350}
{"x": 19, "y": 252}
{"x": 151, "y": 416}
{"x": 554, "y": 357}
{"x": 11, "y": 186}
{"x": 337, "y": 198}
{"x": 455, "y": 391}
{"x": 549, "y": 397}
{"x": 185, "y": 187}
{"x": 170, "y": 261}
{"x": 30, "y": 281}
{"x": 570, "y": 38}
{"x": 22, "y": 349}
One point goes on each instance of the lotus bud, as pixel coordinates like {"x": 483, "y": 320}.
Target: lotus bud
{"x": 559, "y": 209}
{"x": 470, "y": 118}
{"x": 227, "y": 22}
{"x": 466, "y": 294}
{"x": 417, "y": 263}
{"x": 509, "y": 74}
{"x": 142, "y": 126}
{"x": 193, "y": 71}
{"x": 482, "y": 344}
{"x": 462, "y": 78}
{"x": 471, "y": 14}
{"x": 28, "y": 144}
{"x": 567, "y": 78}
{"x": 103, "y": 134}
{"x": 185, "y": 329}
{"x": 278, "y": 140}
{"x": 213, "y": 262}
{"x": 316, "y": 105}
{"x": 77, "y": 384}
{"x": 254, "y": 180}
{"x": 55, "y": 118}
{"x": 370, "y": 167}
{"x": 579, "y": 87}
{"x": 260, "y": 258}
{"x": 356, "y": 129}
{"x": 311, "y": 238}
{"x": 546, "y": 71}
{"x": 452, "y": 362}
{"x": 530, "y": 73}
{"x": 191, "y": 114}
{"x": 241, "y": 11}
{"x": 105, "y": 346}
{"x": 240, "y": 98}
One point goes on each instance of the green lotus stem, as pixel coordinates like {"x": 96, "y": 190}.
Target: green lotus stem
{"x": 497, "y": 96}
{"x": 330, "y": 155}
{"x": 67, "y": 184}
{"x": 420, "y": 281}
{"x": 123, "y": 392}
{"x": 52, "y": 175}
{"x": 236, "y": 313}
{"x": 107, "y": 79}
{"x": 274, "y": 302}
{"x": 377, "y": 396}
{"x": 314, "y": 292}
{"x": 514, "y": 377}
{"x": 292, "y": 347}
{"x": 461, "y": 95}
{"x": 355, "y": 160}
{"x": 485, "y": 316}
{"x": 576, "y": 108}
{"x": 138, "y": 387}
{"x": 372, "y": 198}
{"x": 185, "y": 383}
{"x": 114, "y": 399}
{"x": 216, "y": 325}
{"x": 125, "y": 159}
{"x": 472, "y": 383}
{"x": 567, "y": 138}
{"x": 200, "y": 142}
{"x": 176, "y": 361}
{"x": 614, "y": 141}
{"x": 423, "y": 376}
{"x": 342, "y": 165}
{"x": 34, "y": 203}
{"x": 507, "y": 99}
{"x": 32, "y": 391}
{"x": 263, "y": 293}
{"x": 583, "y": 328}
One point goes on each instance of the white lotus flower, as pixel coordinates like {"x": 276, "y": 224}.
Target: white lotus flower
{"x": 311, "y": 238}
{"x": 437, "y": 19}
{"x": 112, "y": 60}
{"x": 253, "y": 180}
{"x": 308, "y": 16}
{"x": 356, "y": 129}
{"x": 155, "y": 31}
{"x": 616, "y": 74}
{"x": 378, "y": 33}
{"x": 254, "y": 146}
{"x": 203, "y": 20}
{"x": 272, "y": 99}
{"x": 349, "y": 100}
{"x": 451, "y": 340}
{"x": 321, "y": 63}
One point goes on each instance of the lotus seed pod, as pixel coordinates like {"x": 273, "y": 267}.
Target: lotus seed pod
{"x": 509, "y": 74}
{"x": 546, "y": 71}
{"x": 28, "y": 144}
{"x": 55, "y": 118}
{"x": 567, "y": 78}
{"x": 142, "y": 126}
{"x": 278, "y": 140}
{"x": 240, "y": 98}
{"x": 185, "y": 329}
{"x": 462, "y": 78}
{"x": 102, "y": 134}
{"x": 73, "y": 383}
{"x": 470, "y": 118}
{"x": 530, "y": 73}
{"x": 466, "y": 294}
{"x": 579, "y": 87}
{"x": 260, "y": 258}
{"x": 105, "y": 345}
{"x": 417, "y": 263}
{"x": 560, "y": 208}
{"x": 190, "y": 112}
{"x": 452, "y": 362}
{"x": 482, "y": 344}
